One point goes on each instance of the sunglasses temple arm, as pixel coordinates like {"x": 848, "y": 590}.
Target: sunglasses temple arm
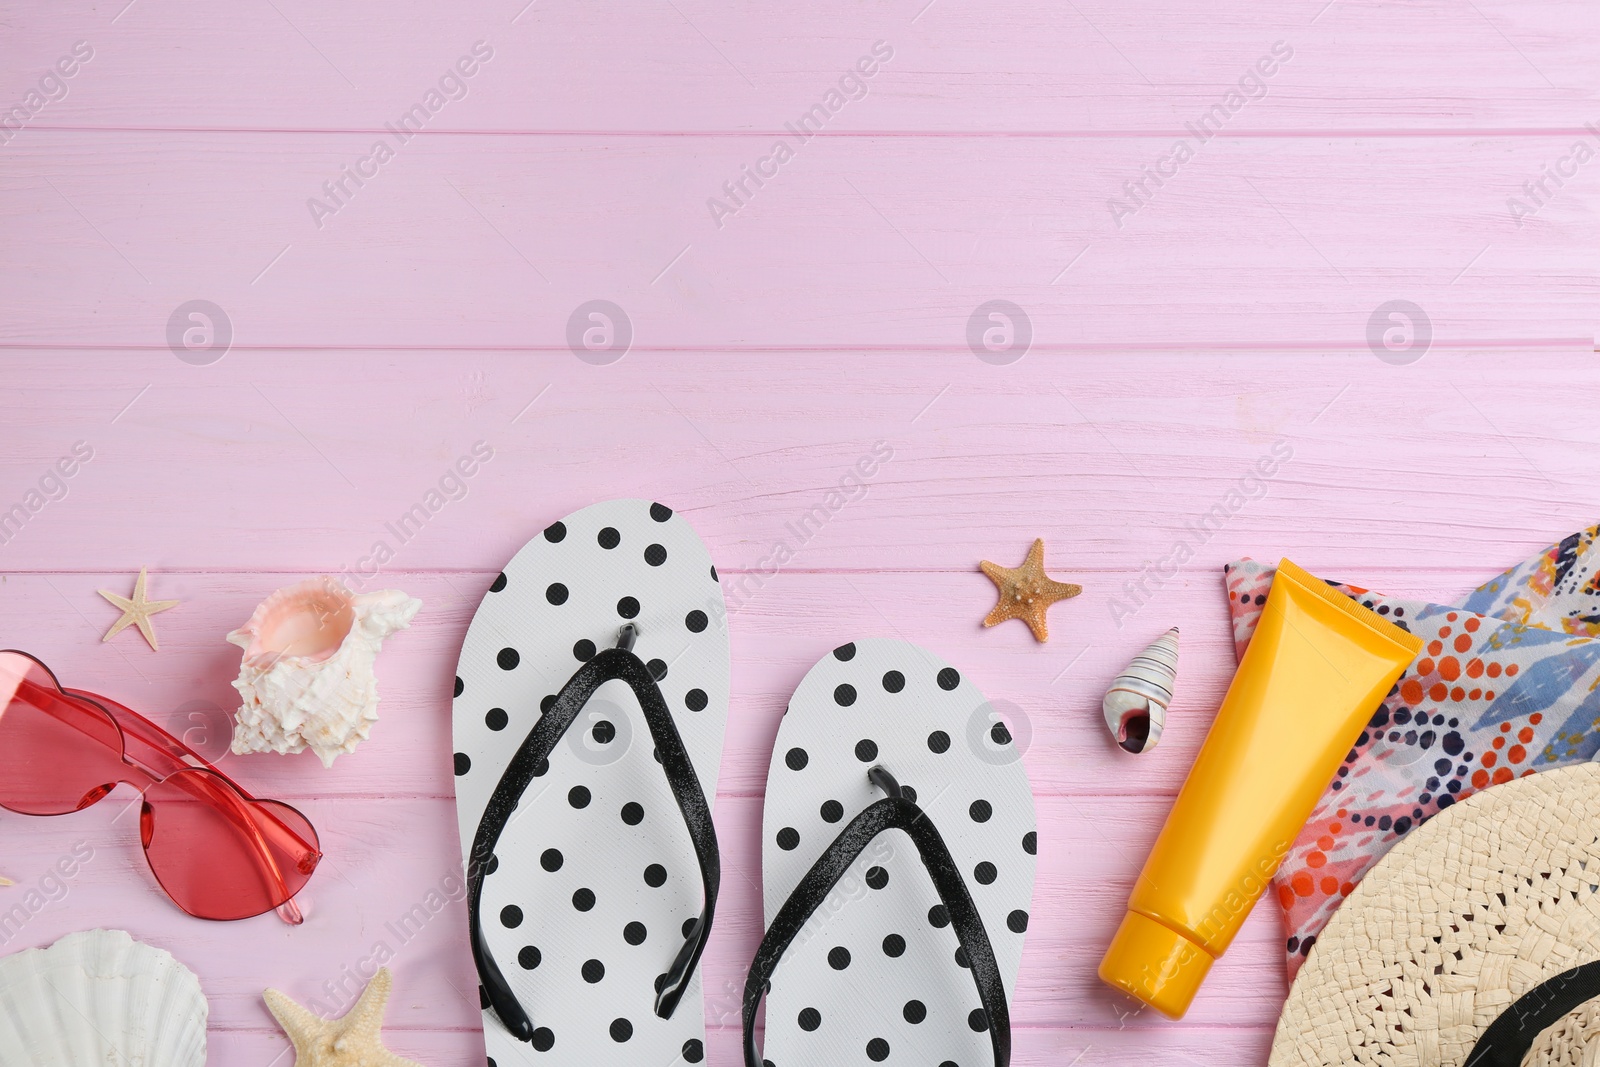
{"x": 152, "y": 739}
{"x": 225, "y": 796}
{"x": 134, "y": 728}
{"x": 55, "y": 704}
{"x": 287, "y": 911}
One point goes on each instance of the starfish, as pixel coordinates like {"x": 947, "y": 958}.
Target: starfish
{"x": 353, "y": 1040}
{"x": 1026, "y": 592}
{"x": 137, "y": 611}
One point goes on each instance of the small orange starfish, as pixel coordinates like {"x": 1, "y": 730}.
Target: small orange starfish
{"x": 1026, "y": 592}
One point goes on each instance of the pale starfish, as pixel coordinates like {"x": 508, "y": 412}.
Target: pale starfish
{"x": 137, "y": 611}
{"x": 1026, "y": 592}
{"x": 353, "y": 1040}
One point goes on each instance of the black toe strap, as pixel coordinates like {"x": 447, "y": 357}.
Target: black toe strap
{"x": 613, "y": 664}
{"x": 894, "y": 812}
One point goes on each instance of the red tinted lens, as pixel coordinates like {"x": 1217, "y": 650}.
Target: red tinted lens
{"x": 220, "y": 855}
{"x": 57, "y": 753}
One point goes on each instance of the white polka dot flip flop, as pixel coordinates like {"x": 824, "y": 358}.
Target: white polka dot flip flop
{"x": 590, "y": 704}
{"x": 897, "y": 866}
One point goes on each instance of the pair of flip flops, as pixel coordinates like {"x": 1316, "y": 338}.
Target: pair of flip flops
{"x": 898, "y": 834}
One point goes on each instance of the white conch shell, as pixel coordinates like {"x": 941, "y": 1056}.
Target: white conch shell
{"x": 1136, "y": 704}
{"x": 100, "y": 997}
{"x": 306, "y": 676}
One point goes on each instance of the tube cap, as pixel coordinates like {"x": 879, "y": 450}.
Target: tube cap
{"x": 1155, "y": 964}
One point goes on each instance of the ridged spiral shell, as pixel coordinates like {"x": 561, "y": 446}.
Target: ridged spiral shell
{"x": 1135, "y": 705}
{"x": 306, "y": 678}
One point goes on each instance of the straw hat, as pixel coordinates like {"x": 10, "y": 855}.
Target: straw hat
{"x": 1474, "y": 943}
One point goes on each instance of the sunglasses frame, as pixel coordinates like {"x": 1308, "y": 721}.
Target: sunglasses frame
{"x": 154, "y": 756}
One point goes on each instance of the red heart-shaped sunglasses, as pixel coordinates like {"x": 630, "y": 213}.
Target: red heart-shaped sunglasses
{"x": 217, "y": 851}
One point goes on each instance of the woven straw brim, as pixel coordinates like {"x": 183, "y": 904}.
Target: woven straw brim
{"x": 1485, "y": 901}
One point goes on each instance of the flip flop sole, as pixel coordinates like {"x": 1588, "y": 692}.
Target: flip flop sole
{"x": 875, "y": 974}
{"x": 594, "y": 880}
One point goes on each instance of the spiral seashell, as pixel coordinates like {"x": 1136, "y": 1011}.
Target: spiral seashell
{"x": 306, "y": 678}
{"x": 1136, "y": 704}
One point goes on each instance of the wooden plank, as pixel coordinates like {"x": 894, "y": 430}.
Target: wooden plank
{"x": 1453, "y": 463}
{"x": 888, "y": 244}
{"x": 1002, "y": 67}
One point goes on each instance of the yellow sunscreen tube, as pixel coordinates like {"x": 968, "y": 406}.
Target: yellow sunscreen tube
{"x": 1315, "y": 671}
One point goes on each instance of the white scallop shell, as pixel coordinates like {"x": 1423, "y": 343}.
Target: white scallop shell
{"x": 1136, "y": 704}
{"x": 100, "y": 998}
{"x": 306, "y": 676}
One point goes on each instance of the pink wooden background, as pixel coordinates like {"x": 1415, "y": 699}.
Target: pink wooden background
{"x": 1229, "y": 312}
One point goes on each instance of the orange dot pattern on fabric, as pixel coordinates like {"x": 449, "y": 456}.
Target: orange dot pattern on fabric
{"x": 1442, "y": 734}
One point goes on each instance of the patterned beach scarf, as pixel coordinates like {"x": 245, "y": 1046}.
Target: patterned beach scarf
{"x": 1507, "y": 684}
